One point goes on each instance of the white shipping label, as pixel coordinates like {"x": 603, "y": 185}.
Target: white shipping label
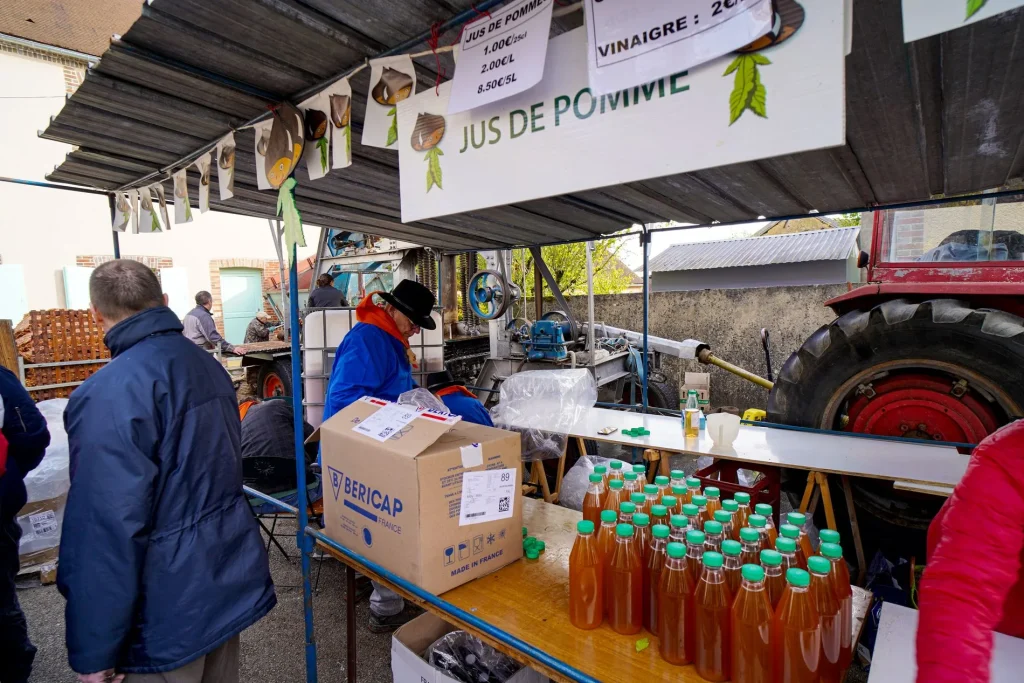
{"x": 472, "y": 455}
{"x": 487, "y": 496}
{"x": 43, "y": 523}
{"x": 383, "y": 424}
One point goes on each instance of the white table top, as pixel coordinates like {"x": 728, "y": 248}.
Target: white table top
{"x": 936, "y": 465}
{"x": 895, "y": 656}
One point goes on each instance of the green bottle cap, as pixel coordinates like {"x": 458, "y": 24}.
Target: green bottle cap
{"x": 699, "y": 501}
{"x": 678, "y": 491}
{"x": 690, "y": 510}
{"x": 818, "y": 564}
{"x": 624, "y": 530}
{"x": 616, "y": 484}
{"x": 785, "y": 545}
{"x": 796, "y": 518}
{"x": 712, "y": 492}
{"x": 676, "y": 551}
{"x": 749, "y": 535}
{"x": 585, "y": 526}
{"x": 712, "y": 527}
{"x": 539, "y": 545}
{"x": 731, "y": 547}
{"x": 828, "y": 536}
{"x": 771, "y": 558}
{"x": 798, "y": 577}
{"x": 694, "y": 537}
{"x": 752, "y": 572}
{"x": 601, "y": 469}
{"x": 660, "y": 531}
{"x": 629, "y": 476}
{"x": 651, "y": 489}
{"x": 832, "y": 551}
{"x": 524, "y": 532}
{"x": 678, "y": 474}
{"x": 693, "y": 482}
{"x": 691, "y": 392}
{"x": 730, "y": 505}
{"x": 763, "y": 509}
{"x": 757, "y": 521}
{"x": 639, "y": 469}
{"x": 713, "y": 560}
{"x": 627, "y": 508}
{"x": 659, "y": 511}
{"x": 661, "y": 480}
{"x": 679, "y": 521}
{"x": 637, "y": 498}
{"x": 741, "y": 498}
{"x": 594, "y": 478}
{"x": 608, "y": 516}
{"x": 641, "y": 519}
{"x": 532, "y": 553}
{"x": 532, "y": 540}
{"x": 615, "y": 464}
{"x": 666, "y": 502}
{"x": 722, "y": 517}
{"x": 789, "y": 531}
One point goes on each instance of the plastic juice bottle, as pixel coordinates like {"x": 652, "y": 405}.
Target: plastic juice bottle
{"x": 713, "y": 605}
{"x": 682, "y": 496}
{"x": 774, "y": 578}
{"x": 640, "y": 501}
{"x": 732, "y": 566}
{"x": 616, "y": 469}
{"x": 839, "y": 575}
{"x": 626, "y": 512}
{"x": 592, "y": 504}
{"x": 606, "y": 534}
{"x": 752, "y": 629}
{"x": 732, "y": 507}
{"x": 586, "y": 579}
{"x": 662, "y": 482}
{"x": 632, "y": 483}
{"x": 799, "y": 519}
{"x": 694, "y": 551}
{"x": 702, "y": 508}
{"x": 750, "y": 541}
{"x": 714, "y": 497}
{"x": 787, "y": 548}
{"x": 692, "y": 514}
{"x": 677, "y": 525}
{"x": 652, "y": 575}
{"x": 691, "y": 416}
{"x": 725, "y": 519}
{"x": 830, "y": 614}
{"x": 603, "y": 471}
{"x": 713, "y": 536}
{"x": 615, "y": 496}
{"x": 652, "y": 496}
{"x": 765, "y": 510}
{"x": 676, "y": 628}
{"x": 625, "y": 581}
{"x": 659, "y": 515}
{"x": 797, "y": 632}
{"x": 677, "y": 478}
{"x": 642, "y": 534}
{"x": 743, "y": 511}
{"x": 641, "y": 475}
{"x": 793, "y": 532}
{"x": 760, "y": 523}
{"x": 693, "y": 486}
{"x": 827, "y": 536}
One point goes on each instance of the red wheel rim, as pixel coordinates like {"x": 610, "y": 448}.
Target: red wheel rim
{"x": 272, "y": 386}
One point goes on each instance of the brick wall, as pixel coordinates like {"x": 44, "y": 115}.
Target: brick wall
{"x": 74, "y": 69}
{"x": 153, "y": 262}
{"x": 907, "y": 235}
{"x": 269, "y": 268}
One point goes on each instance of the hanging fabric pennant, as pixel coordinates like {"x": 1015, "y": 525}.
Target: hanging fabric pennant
{"x": 289, "y": 212}
{"x": 226, "y": 166}
{"x": 392, "y": 79}
{"x": 262, "y": 131}
{"x": 203, "y": 164}
{"x": 318, "y": 135}
{"x": 161, "y": 196}
{"x": 340, "y": 97}
{"x": 148, "y": 221}
{"x": 133, "y": 200}
{"x": 182, "y": 207}
{"x": 122, "y": 212}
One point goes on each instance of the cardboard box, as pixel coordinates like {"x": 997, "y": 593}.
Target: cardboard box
{"x": 699, "y": 382}
{"x": 428, "y": 497}
{"x": 411, "y": 641}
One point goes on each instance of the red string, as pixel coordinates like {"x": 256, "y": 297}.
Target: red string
{"x": 435, "y": 36}
{"x": 479, "y": 14}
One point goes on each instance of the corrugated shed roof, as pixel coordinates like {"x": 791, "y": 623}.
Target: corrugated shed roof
{"x": 80, "y": 25}
{"x": 818, "y": 245}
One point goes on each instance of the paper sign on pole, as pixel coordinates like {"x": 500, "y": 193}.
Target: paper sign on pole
{"x": 629, "y": 43}
{"x": 501, "y": 55}
{"x": 392, "y": 79}
{"x": 558, "y": 137}
{"x": 923, "y": 18}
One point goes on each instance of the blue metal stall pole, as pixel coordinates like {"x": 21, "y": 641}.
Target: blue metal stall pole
{"x": 645, "y": 243}
{"x": 113, "y": 212}
{"x": 303, "y": 541}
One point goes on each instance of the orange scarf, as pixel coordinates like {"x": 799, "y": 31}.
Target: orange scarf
{"x": 372, "y": 314}
{"x": 455, "y": 389}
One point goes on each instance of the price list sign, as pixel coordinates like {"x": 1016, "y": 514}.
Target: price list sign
{"x": 501, "y": 55}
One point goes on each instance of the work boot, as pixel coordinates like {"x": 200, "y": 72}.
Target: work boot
{"x": 379, "y": 624}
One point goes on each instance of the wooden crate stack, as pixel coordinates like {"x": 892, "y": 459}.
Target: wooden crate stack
{"x": 55, "y": 336}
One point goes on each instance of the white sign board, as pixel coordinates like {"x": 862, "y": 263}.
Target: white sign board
{"x": 392, "y": 79}
{"x": 923, "y": 18}
{"x": 501, "y": 55}
{"x": 629, "y": 43}
{"x": 558, "y": 137}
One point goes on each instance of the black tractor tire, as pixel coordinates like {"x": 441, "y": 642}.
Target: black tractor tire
{"x": 660, "y": 394}
{"x": 277, "y": 372}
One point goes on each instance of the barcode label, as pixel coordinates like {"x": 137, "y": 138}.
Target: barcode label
{"x": 43, "y": 523}
{"x": 487, "y": 496}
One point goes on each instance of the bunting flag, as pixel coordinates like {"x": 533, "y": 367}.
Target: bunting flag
{"x": 392, "y": 79}
{"x": 182, "y": 207}
{"x": 122, "y": 212}
{"x": 340, "y": 99}
{"x": 289, "y": 212}
{"x": 133, "y": 201}
{"x": 161, "y": 196}
{"x": 203, "y": 164}
{"x": 226, "y": 166}
{"x": 318, "y": 127}
{"x": 148, "y": 221}
{"x": 262, "y": 130}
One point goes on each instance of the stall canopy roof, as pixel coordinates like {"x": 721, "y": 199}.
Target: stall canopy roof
{"x": 941, "y": 116}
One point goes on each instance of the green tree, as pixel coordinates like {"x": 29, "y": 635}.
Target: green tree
{"x": 568, "y": 265}
{"x": 848, "y": 220}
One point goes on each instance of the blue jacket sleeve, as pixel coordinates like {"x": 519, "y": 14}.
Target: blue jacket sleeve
{"x": 360, "y": 369}
{"x": 107, "y": 523}
{"x": 24, "y": 426}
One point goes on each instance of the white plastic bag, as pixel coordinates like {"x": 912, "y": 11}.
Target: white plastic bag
{"x": 47, "y": 486}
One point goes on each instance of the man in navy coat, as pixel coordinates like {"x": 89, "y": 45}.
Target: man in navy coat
{"x": 161, "y": 560}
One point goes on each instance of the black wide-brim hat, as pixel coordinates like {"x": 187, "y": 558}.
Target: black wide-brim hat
{"x": 414, "y": 300}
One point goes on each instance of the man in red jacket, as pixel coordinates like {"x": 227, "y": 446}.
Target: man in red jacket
{"x": 973, "y": 584}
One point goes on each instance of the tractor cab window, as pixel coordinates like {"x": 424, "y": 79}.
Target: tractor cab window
{"x": 962, "y": 232}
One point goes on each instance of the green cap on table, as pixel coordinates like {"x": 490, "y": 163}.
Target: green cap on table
{"x": 818, "y": 564}
{"x": 637, "y": 498}
{"x": 624, "y": 530}
{"x": 660, "y": 531}
{"x": 641, "y": 519}
{"x": 785, "y": 545}
{"x": 713, "y": 560}
{"x": 678, "y": 474}
{"x": 616, "y": 484}
{"x": 828, "y": 536}
{"x": 752, "y": 572}
{"x": 532, "y": 553}
{"x": 731, "y": 547}
{"x": 601, "y": 469}
{"x": 749, "y": 534}
{"x": 661, "y": 480}
{"x": 608, "y": 516}
{"x": 789, "y": 531}
{"x": 627, "y": 508}
{"x": 699, "y": 501}
{"x": 639, "y": 469}
{"x": 695, "y": 537}
{"x": 741, "y": 498}
{"x": 615, "y": 464}
{"x": 651, "y": 489}
{"x": 771, "y": 558}
{"x": 585, "y": 526}
{"x": 796, "y": 518}
{"x": 832, "y": 551}
{"x": 679, "y": 521}
{"x": 594, "y": 478}
{"x": 730, "y": 505}
{"x": 712, "y": 492}
{"x": 524, "y": 532}
{"x": 659, "y": 511}
{"x": 763, "y": 509}
{"x": 693, "y": 482}
{"x": 711, "y": 527}
{"x": 723, "y": 516}
{"x": 757, "y": 521}
{"x": 629, "y": 476}
{"x": 798, "y": 577}
{"x": 676, "y": 551}
{"x": 690, "y": 510}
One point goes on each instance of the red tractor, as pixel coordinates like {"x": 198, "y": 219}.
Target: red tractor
{"x": 932, "y": 347}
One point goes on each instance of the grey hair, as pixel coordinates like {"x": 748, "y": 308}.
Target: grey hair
{"x": 123, "y": 287}
{"x": 203, "y": 297}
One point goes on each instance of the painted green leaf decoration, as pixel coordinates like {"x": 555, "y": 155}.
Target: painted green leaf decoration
{"x": 321, "y": 144}
{"x": 733, "y": 66}
{"x": 760, "y": 59}
{"x": 154, "y": 223}
{"x": 434, "y": 168}
{"x": 393, "y": 130}
{"x": 188, "y": 210}
{"x": 643, "y": 644}
{"x": 748, "y": 92}
{"x": 348, "y": 141}
{"x": 286, "y": 208}
{"x": 973, "y": 6}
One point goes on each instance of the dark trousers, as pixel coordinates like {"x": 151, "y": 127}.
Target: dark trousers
{"x": 16, "y": 652}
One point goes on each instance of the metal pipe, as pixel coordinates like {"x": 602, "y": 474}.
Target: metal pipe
{"x": 270, "y": 500}
{"x": 51, "y": 186}
{"x": 590, "y": 301}
{"x": 113, "y": 212}
{"x": 705, "y": 356}
{"x": 645, "y": 241}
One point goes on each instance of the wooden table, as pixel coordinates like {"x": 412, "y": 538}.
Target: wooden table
{"x": 529, "y": 600}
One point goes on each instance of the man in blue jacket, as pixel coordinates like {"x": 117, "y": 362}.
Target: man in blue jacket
{"x": 161, "y": 561}
{"x": 457, "y": 398}
{"x": 24, "y": 430}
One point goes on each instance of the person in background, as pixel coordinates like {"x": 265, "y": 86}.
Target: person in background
{"x": 202, "y": 331}
{"x": 162, "y": 563}
{"x": 374, "y": 359}
{"x": 973, "y": 584}
{"x": 268, "y": 445}
{"x": 457, "y": 398}
{"x": 326, "y": 295}
{"x": 23, "y": 441}
{"x": 258, "y": 329}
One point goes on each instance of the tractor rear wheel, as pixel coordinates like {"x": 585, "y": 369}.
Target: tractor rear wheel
{"x": 274, "y": 379}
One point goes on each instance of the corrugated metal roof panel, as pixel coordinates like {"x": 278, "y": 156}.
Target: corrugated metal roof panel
{"x": 816, "y": 245}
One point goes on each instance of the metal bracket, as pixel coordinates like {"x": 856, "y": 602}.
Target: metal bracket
{"x": 866, "y": 390}
{"x": 959, "y": 388}
{"x": 542, "y": 268}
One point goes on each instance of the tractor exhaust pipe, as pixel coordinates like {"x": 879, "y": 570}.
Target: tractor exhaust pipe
{"x": 705, "y": 356}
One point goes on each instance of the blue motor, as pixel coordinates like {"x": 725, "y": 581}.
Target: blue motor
{"x": 548, "y": 340}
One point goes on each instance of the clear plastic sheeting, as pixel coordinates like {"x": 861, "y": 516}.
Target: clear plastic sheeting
{"x": 464, "y": 658}
{"x": 577, "y": 479}
{"x": 556, "y": 398}
{"x": 421, "y": 398}
{"x": 47, "y": 487}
